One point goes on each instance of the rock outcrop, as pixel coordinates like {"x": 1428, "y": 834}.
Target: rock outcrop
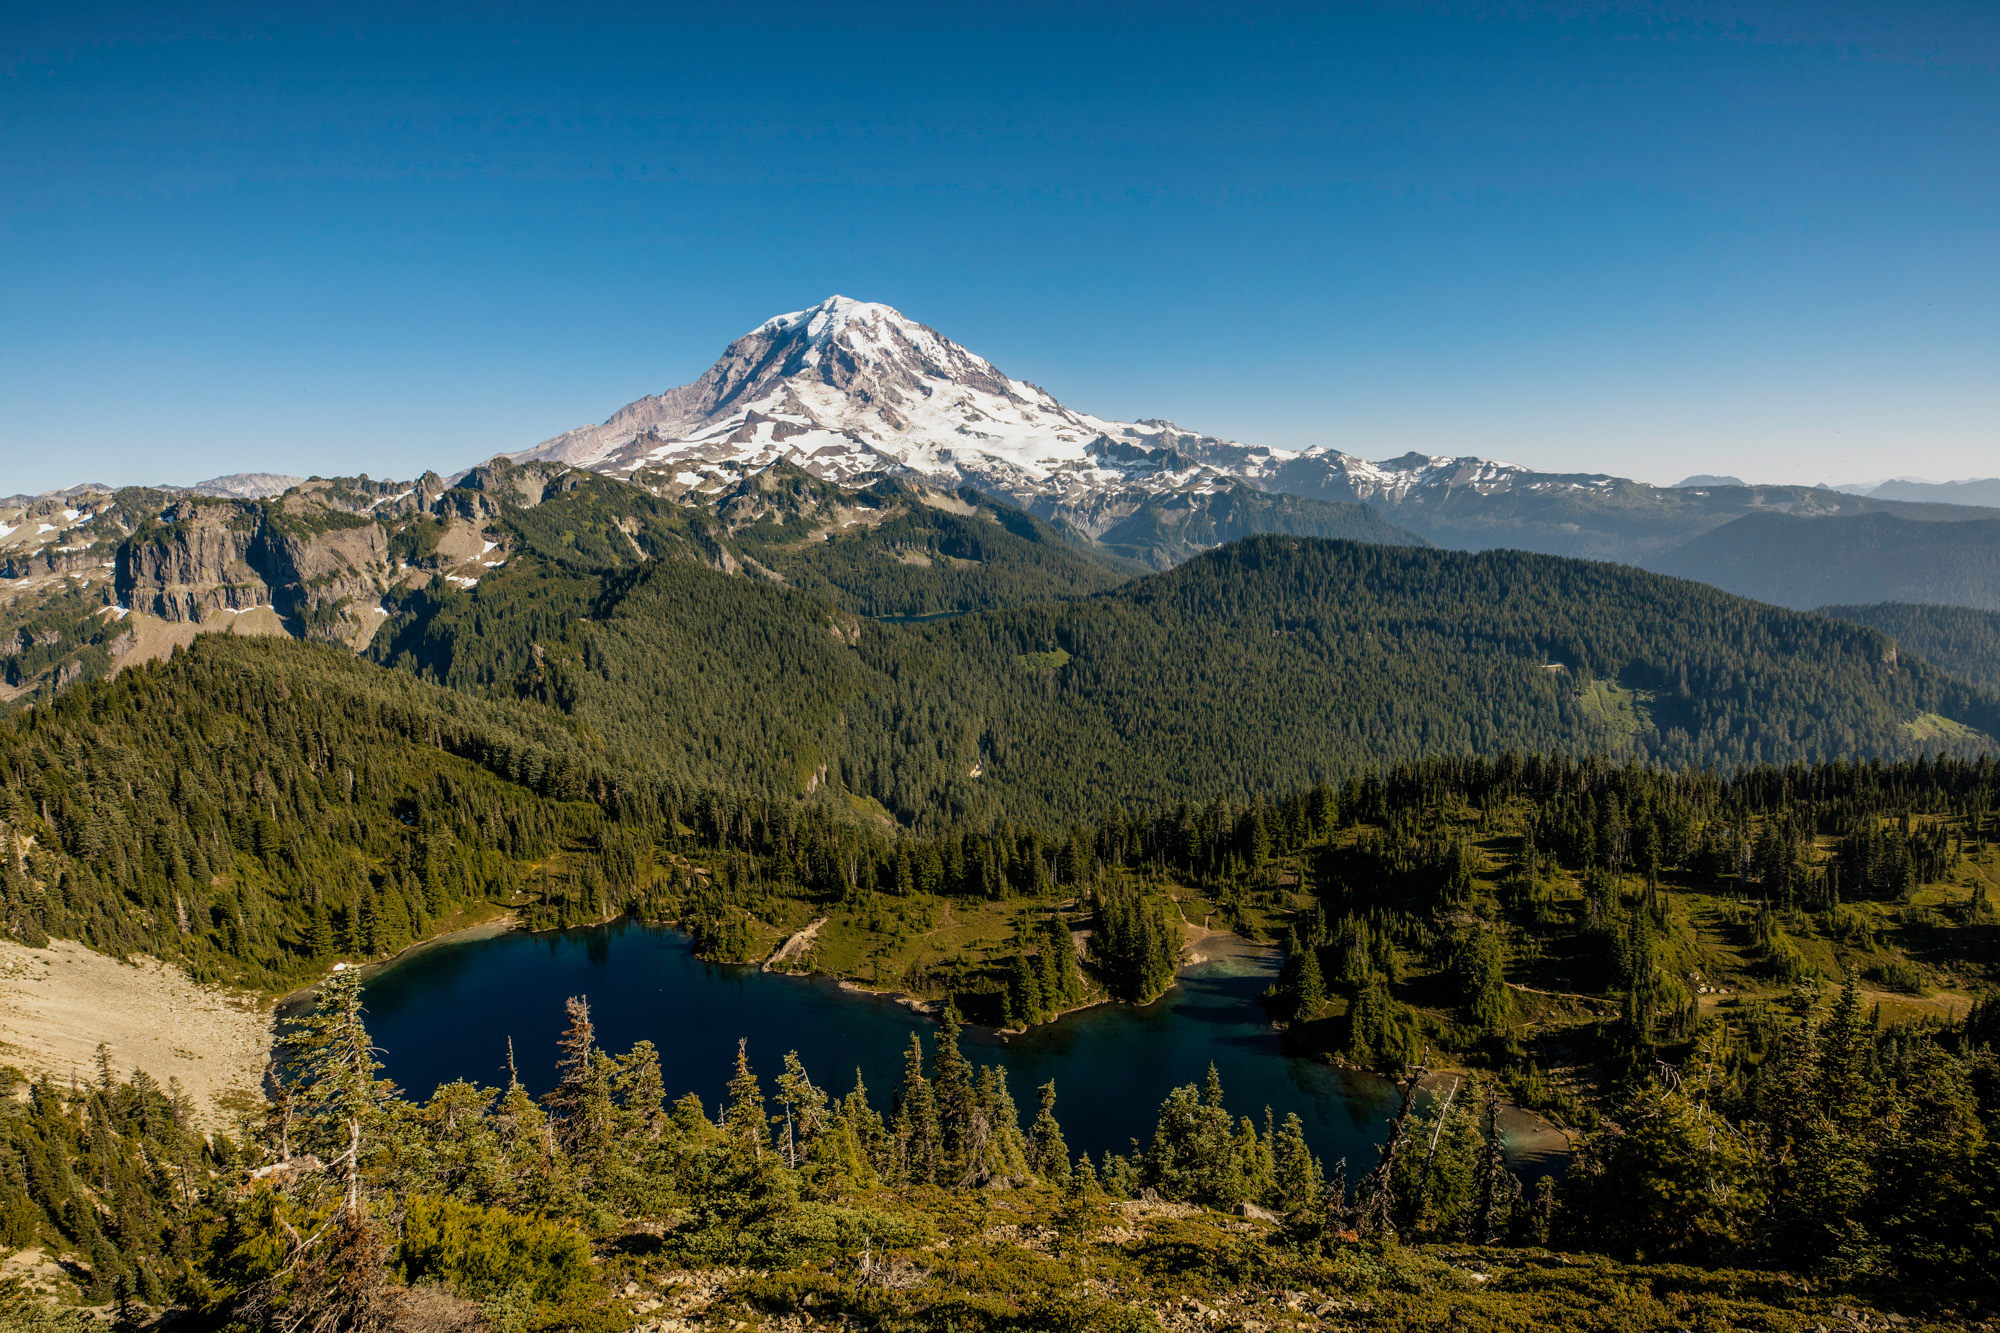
{"x": 193, "y": 564}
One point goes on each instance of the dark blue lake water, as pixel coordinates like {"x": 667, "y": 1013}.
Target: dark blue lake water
{"x": 448, "y": 1012}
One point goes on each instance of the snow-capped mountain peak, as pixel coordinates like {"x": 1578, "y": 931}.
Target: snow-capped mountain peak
{"x": 846, "y": 388}
{"x": 842, "y": 388}
{"x": 866, "y": 329}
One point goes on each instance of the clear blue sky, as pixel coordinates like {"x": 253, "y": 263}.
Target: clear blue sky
{"x": 1651, "y": 239}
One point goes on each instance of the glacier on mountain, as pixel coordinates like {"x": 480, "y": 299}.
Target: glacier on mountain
{"x": 849, "y": 388}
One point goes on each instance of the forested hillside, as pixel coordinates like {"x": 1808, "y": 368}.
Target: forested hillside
{"x": 135, "y": 571}
{"x": 1956, "y": 639}
{"x": 889, "y": 548}
{"x": 1263, "y": 666}
{"x": 636, "y": 707}
{"x": 1805, "y": 562}
{"x": 1753, "y": 994}
{"x": 256, "y": 808}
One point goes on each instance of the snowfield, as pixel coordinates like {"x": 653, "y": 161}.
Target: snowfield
{"x": 849, "y": 388}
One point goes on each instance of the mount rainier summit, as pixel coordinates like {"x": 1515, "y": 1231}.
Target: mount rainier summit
{"x": 849, "y": 387}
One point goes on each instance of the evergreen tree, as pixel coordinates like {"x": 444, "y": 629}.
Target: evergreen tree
{"x": 954, "y": 1094}
{"x": 1251, "y": 1157}
{"x": 1048, "y": 1155}
{"x": 580, "y": 1103}
{"x": 861, "y": 1150}
{"x": 639, "y": 1090}
{"x": 1193, "y": 1153}
{"x": 1299, "y": 1187}
{"x": 1480, "y": 970}
{"x": 1437, "y": 1183}
{"x": 804, "y": 1108}
{"x": 319, "y": 938}
{"x": 1681, "y": 1180}
{"x": 1376, "y": 1199}
{"x": 1381, "y": 1033}
{"x": 1310, "y": 987}
{"x": 997, "y": 1150}
{"x": 1083, "y": 1212}
{"x": 748, "y": 1124}
{"x": 1022, "y": 1001}
{"x": 1497, "y": 1187}
{"x": 917, "y": 1135}
{"x": 839, "y": 1158}
{"x": 329, "y": 1063}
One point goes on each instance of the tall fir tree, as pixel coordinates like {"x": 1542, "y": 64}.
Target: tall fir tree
{"x": 329, "y": 1063}
{"x": 580, "y": 1103}
{"x": 1048, "y": 1154}
{"x": 804, "y": 1107}
{"x": 955, "y": 1094}
{"x": 915, "y": 1126}
{"x": 748, "y": 1123}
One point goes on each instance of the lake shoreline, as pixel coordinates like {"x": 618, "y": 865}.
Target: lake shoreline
{"x": 1530, "y": 1137}
{"x": 1218, "y": 983}
{"x": 508, "y": 921}
{"x": 1190, "y": 958}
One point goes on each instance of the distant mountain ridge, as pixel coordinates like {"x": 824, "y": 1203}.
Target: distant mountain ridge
{"x": 1984, "y": 491}
{"x": 850, "y": 392}
{"x": 242, "y": 485}
{"x": 1860, "y": 558}
{"x": 237, "y": 485}
{"x": 848, "y": 388}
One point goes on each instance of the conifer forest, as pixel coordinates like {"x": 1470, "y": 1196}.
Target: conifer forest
{"x": 1707, "y": 886}
{"x": 1246, "y": 667}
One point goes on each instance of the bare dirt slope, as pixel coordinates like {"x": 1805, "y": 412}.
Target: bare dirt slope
{"x": 154, "y": 638}
{"x": 58, "y": 1003}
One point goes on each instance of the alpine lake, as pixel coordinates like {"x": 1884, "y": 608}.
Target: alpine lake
{"x": 449, "y": 1011}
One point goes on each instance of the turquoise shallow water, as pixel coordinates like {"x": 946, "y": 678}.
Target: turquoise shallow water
{"x": 448, "y": 1012}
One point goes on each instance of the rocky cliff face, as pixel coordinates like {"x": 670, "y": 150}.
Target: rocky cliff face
{"x": 319, "y": 556}
{"x": 58, "y": 535}
{"x": 193, "y": 564}
{"x": 98, "y": 579}
{"x": 52, "y": 561}
{"x": 326, "y": 580}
